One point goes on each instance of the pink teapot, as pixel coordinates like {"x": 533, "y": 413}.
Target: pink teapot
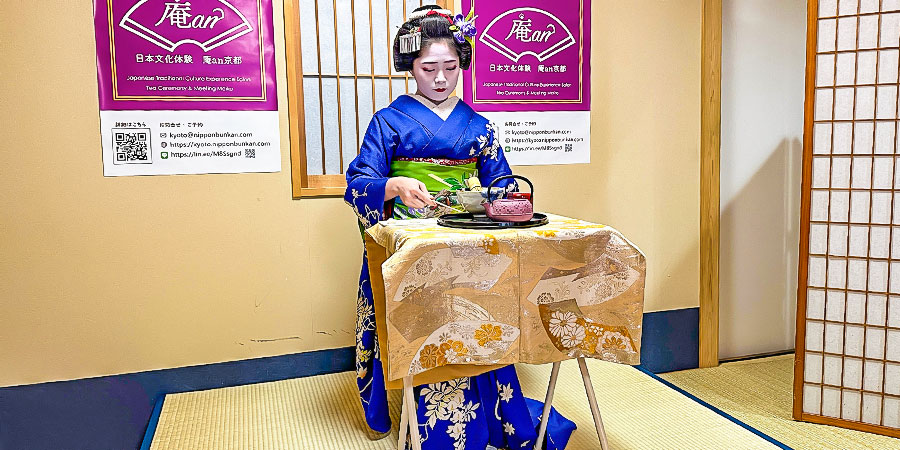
{"x": 510, "y": 209}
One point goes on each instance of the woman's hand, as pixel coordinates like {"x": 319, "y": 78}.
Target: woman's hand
{"x": 411, "y": 191}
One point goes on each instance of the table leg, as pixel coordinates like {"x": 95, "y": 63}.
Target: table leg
{"x": 548, "y": 403}
{"x": 404, "y": 423}
{"x": 592, "y": 400}
{"x": 413, "y": 416}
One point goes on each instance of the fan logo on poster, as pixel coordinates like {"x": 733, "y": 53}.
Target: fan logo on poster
{"x": 171, "y": 23}
{"x": 527, "y": 31}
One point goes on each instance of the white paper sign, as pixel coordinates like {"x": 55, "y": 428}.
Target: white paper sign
{"x": 548, "y": 137}
{"x": 185, "y": 142}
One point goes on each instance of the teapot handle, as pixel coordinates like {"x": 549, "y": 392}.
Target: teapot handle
{"x": 530, "y": 186}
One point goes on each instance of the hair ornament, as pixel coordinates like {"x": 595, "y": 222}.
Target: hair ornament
{"x": 427, "y": 23}
{"x": 436, "y": 12}
{"x": 411, "y": 42}
{"x": 463, "y": 28}
{"x": 425, "y": 12}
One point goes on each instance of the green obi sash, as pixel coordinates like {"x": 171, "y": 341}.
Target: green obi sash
{"x": 455, "y": 175}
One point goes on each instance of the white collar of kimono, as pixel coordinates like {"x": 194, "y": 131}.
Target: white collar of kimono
{"x": 443, "y": 109}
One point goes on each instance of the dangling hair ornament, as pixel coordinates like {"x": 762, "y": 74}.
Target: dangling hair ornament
{"x": 463, "y": 28}
{"x": 411, "y": 42}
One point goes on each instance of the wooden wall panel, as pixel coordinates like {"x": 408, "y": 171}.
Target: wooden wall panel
{"x": 710, "y": 127}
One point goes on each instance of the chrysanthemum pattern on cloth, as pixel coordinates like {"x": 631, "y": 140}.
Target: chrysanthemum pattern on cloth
{"x": 576, "y": 335}
{"x": 562, "y": 323}
{"x": 464, "y": 342}
{"x": 446, "y": 401}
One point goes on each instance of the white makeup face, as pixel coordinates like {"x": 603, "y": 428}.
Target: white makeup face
{"x": 436, "y": 71}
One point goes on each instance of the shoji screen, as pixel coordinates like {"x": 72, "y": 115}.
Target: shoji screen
{"x": 847, "y": 371}
{"x": 340, "y": 72}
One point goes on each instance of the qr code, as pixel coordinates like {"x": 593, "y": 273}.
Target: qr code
{"x": 131, "y": 146}
{"x": 568, "y": 147}
{"x": 249, "y": 153}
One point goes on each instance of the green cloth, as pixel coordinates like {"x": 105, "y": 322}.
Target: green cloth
{"x": 455, "y": 175}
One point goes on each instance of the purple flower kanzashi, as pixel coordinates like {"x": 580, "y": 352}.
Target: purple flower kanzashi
{"x": 464, "y": 28}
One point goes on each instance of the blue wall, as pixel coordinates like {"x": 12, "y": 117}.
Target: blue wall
{"x": 113, "y": 412}
{"x": 671, "y": 340}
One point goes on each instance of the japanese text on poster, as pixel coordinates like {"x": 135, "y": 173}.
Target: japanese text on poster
{"x": 186, "y": 87}
{"x": 530, "y": 75}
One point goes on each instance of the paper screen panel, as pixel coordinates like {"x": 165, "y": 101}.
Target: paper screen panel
{"x": 848, "y": 346}
{"x": 346, "y": 49}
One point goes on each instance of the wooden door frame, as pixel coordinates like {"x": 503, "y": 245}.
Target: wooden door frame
{"x": 710, "y": 141}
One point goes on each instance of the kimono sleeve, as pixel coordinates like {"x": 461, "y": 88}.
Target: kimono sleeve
{"x": 368, "y": 173}
{"x": 491, "y": 160}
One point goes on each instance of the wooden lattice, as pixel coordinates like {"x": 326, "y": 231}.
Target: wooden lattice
{"x": 847, "y": 370}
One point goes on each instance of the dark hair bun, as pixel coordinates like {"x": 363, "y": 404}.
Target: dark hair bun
{"x": 433, "y": 27}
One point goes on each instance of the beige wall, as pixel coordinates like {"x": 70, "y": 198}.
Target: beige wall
{"x": 113, "y": 275}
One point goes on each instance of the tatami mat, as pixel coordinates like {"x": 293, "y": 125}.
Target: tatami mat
{"x": 323, "y": 412}
{"x": 758, "y": 392}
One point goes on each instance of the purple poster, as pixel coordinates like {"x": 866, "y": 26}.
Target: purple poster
{"x": 187, "y": 86}
{"x": 530, "y": 75}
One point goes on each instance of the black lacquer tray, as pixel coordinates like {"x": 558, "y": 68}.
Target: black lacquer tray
{"x": 481, "y": 221}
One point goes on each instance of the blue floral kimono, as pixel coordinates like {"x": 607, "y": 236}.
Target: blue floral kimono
{"x": 408, "y": 139}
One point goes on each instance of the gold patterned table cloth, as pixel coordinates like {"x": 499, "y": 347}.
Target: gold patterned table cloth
{"x": 452, "y": 302}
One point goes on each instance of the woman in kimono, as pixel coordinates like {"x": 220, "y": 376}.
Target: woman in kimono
{"x": 426, "y": 133}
